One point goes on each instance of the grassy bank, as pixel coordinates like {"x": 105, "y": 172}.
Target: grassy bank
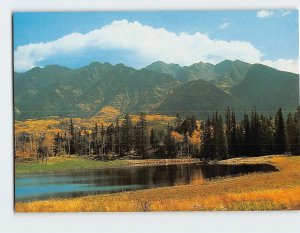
{"x": 260, "y": 191}
{"x": 65, "y": 163}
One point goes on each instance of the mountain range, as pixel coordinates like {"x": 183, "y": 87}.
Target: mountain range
{"x": 163, "y": 88}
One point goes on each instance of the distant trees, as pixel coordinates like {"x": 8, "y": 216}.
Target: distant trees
{"x": 214, "y": 143}
{"x": 219, "y": 137}
{"x": 254, "y": 136}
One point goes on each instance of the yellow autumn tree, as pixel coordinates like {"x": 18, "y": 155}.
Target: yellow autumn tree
{"x": 177, "y": 136}
{"x": 179, "y": 139}
{"x": 195, "y": 139}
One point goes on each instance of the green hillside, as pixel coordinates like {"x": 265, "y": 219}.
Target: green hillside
{"x": 224, "y": 74}
{"x": 164, "y": 88}
{"x": 83, "y": 92}
{"x": 199, "y": 98}
{"x": 266, "y": 89}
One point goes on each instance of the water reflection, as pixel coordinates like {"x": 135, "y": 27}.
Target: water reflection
{"x": 109, "y": 180}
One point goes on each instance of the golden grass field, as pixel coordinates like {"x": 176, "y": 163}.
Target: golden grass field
{"x": 260, "y": 191}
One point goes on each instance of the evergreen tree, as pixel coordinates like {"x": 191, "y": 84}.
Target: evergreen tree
{"x": 228, "y": 123}
{"x": 170, "y": 143}
{"x": 186, "y": 143}
{"x": 117, "y": 137}
{"x": 266, "y": 135}
{"x": 188, "y": 125}
{"x": 220, "y": 138}
{"x": 154, "y": 138}
{"x": 127, "y": 140}
{"x": 255, "y": 134}
{"x": 78, "y": 143}
{"x": 95, "y": 140}
{"x": 111, "y": 138}
{"x": 141, "y": 136}
{"x": 178, "y": 122}
{"x": 233, "y": 136}
{"x": 246, "y": 147}
{"x": 240, "y": 140}
{"x": 71, "y": 138}
{"x": 57, "y": 147}
{"x": 280, "y": 135}
{"x": 88, "y": 143}
{"x": 207, "y": 146}
{"x": 103, "y": 140}
{"x": 231, "y": 132}
{"x": 292, "y": 130}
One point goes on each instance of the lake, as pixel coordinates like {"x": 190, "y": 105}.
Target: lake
{"x": 29, "y": 187}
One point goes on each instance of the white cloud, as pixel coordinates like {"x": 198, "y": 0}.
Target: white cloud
{"x": 148, "y": 43}
{"x": 283, "y": 64}
{"x": 264, "y": 13}
{"x": 224, "y": 25}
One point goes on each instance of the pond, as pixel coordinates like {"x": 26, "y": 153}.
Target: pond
{"x": 31, "y": 187}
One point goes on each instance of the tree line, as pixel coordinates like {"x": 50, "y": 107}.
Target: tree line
{"x": 253, "y": 135}
{"x": 219, "y": 137}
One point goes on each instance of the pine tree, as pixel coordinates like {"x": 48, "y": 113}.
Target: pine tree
{"x": 246, "y": 147}
{"x": 228, "y": 123}
{"x": 231, "y": 132}
{"x": 111, "y": 138}
{"x": 292, "y": 130}
{"x": 186, "y": 143}
{"x": 266, "y": 135}
{"x": 117, "y": 136}
{"x": 154, "y": 139}
{"x": 207, "y": 141}
{"x": 178, "y": 122}
{"x": 78, "y": 143}
{"x": 170, "y": 144}
{"x": 280, "y": 135}
{"x": 95, "y": 140}
{"x": 233, "y": 136}
{"x": 103, "y": 140}
{"x": 71, "y": 138}
{"x": 214, "y": 138}
{"x": 57, "y": 144}
{"x": 255, "y": 134}
{"x": 240, "y": 140}
{"x": 193, "y": 125}
{"x": 88, "y": 143}
{"x": 221, "y": 140}
{"x": 141, "y": 136}
{"x": 188, "y": 125}
{"x": 127, "y": 140}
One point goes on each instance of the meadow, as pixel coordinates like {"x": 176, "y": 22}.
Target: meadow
{"x": 259, "y": 191}
{"x": 64, "y": 163}
{"x": 73, "y": 163}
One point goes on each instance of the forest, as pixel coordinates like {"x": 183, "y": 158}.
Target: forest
{"x": 219, "y": 137}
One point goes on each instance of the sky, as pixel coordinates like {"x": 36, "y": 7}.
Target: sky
{"x": 136, "y": 39}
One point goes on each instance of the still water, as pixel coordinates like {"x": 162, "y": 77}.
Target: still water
{"x": 79, "y": 183}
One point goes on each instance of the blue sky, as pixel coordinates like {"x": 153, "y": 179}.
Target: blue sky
{"x": 135, "y": 39}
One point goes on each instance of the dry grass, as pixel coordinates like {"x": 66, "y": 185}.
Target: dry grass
{"x": 268, "y": 191}
{"x": 156, "y": 162}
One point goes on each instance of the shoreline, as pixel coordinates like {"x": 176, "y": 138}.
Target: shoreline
{"x": 75, "y": 163}
{"x": 65, "y": 164}
{"x": 162, "y": 162}
{"x": 247, "y": 192}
